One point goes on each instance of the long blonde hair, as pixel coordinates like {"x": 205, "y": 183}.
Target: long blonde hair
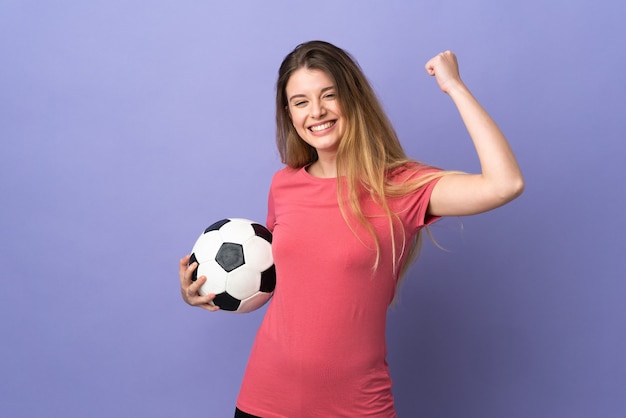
{"x": 369, "y": 149}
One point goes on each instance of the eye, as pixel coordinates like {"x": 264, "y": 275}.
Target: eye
{"x": 299, "y": 103}
{"x": 330, "y": 96}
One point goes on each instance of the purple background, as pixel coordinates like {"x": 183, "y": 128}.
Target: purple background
{"x": 129, "y": 126}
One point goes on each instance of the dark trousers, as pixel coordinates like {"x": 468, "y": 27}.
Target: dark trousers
{"x": 240, "y": 414}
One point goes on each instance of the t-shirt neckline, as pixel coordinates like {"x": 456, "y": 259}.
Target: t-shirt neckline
{"x": 311, "y": 177}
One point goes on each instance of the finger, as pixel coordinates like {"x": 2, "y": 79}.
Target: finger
{"x": 430, "y": 67}
{"x": 210, "y": 308}
{"x": 193, "y": 289}
{"x": 191, "y": 293}
{"x": 183, "y": 264}
{"x": 190, "y": 289}
{"x": 439, "y": 59}
{"x": 204, "y": 302}
{"x": 433, "y": 64}
{"x": 186, "y": 274}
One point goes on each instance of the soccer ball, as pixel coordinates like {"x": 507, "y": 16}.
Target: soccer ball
{"x": 235, "y": 255}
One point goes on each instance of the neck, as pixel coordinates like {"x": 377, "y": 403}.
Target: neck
{"x": 323, "y": 168}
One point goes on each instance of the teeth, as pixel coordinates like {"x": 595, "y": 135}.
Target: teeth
{"x": 321, "y": 127}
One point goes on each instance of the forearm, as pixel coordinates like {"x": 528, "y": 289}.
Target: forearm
{"x": 499, "y": 168}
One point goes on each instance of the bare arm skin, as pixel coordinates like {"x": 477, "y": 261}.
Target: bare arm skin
{"x": 500, "y": 180}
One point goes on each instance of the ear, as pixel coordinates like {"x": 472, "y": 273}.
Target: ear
{"x": 288, "y": 112}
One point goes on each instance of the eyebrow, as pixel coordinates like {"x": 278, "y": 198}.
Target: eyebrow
{"x": 297, "y": 96}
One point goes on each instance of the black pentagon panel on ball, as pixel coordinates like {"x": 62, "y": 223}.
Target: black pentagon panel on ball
{"x": 226, "y": 302}
{"x": 268, "y": 280}
{"x": 230, "y": 256}
{"x": 217, "y": 225}
{"x": 193, "y": 259}
{"x": 262, "y": 232}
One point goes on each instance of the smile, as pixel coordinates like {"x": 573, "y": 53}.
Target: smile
{"x": 322, "y": 126}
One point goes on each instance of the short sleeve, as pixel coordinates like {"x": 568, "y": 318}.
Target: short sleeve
{"x": 423, "y": 217}
{"x": 413, "y": 207}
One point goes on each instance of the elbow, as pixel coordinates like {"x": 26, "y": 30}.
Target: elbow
{"x": 512, "y": 189}
{"x": 518, "y": 186}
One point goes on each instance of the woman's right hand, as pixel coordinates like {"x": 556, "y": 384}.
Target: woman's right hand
{"x": 190, "y": 289}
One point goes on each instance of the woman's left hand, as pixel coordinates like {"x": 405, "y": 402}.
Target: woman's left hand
{"x": 445, "y": 68}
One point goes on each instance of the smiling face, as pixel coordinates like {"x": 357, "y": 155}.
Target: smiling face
{"x": 315, "y": 110}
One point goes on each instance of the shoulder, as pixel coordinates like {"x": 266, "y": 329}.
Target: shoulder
{"x": 284, "y": 174}
{"x": 285, "y": 177}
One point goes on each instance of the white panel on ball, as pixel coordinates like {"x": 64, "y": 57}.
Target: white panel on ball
{"x": 258, "y": 253}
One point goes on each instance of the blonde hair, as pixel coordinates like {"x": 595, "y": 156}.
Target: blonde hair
{"x": 369, "y": 149}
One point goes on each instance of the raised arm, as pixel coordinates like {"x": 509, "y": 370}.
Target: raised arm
{"x": 500, "y": 180}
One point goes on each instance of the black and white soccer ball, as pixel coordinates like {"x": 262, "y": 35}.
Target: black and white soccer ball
{"x": 235, "y": 255}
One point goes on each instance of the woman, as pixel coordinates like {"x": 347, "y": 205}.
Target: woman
{"x": 346, "y": 213}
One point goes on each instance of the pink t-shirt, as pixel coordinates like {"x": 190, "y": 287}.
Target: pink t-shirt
{"x": 320, "y": 351}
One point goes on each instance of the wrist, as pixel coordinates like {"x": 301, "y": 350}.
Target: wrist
{"x": 455, "y": 87}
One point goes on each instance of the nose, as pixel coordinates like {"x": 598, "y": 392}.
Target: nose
{"x": 317, "y": 109}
